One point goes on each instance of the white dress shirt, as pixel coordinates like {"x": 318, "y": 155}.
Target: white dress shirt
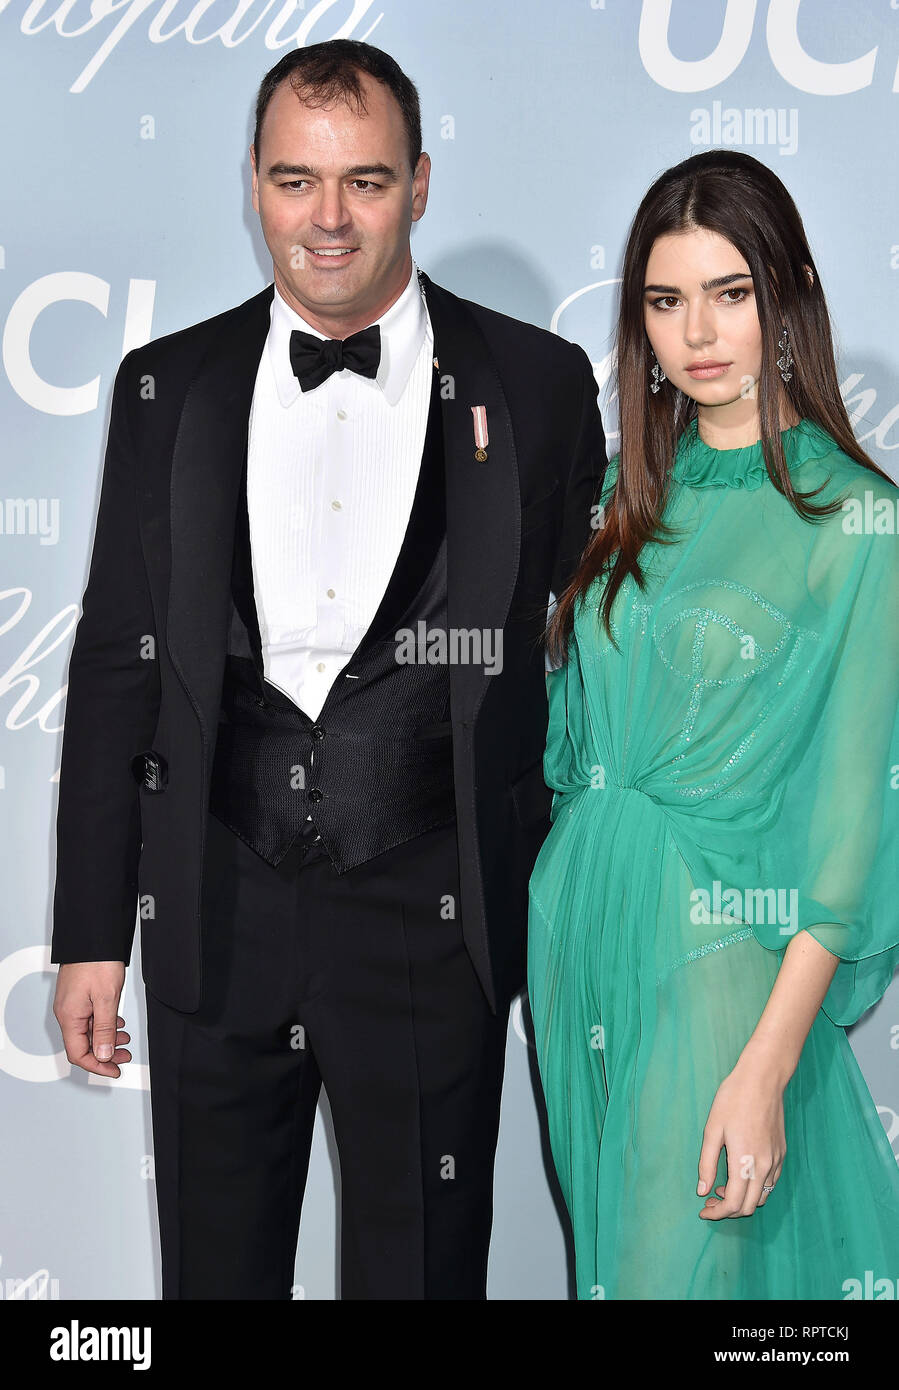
{"x": 331, "y": 475}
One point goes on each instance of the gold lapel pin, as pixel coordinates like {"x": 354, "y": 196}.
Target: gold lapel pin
{"x": 481, "y": 438}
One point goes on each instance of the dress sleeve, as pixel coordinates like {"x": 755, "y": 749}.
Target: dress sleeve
{"x": 564, "y": 732}
{"x": 566, "y": 766}
{"x": 838, "y": 828}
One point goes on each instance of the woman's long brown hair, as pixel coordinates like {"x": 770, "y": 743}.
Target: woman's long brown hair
{"x": 731, "y": 193}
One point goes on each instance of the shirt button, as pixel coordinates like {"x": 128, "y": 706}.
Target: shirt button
{"x": 320, "y": 666}
{"x": 335, "y": 506}
{"x": 330, "y": 593}
{"x": 341, "y": 414}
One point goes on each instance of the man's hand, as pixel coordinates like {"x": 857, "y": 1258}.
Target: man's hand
{"x": 86, "y": 1004}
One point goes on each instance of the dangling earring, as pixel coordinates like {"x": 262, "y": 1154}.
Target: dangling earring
{"x": 658, "y": 376}
{"x": 785, "y": 360}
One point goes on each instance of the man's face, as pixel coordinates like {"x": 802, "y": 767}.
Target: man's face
{"x": 331, "y": 180}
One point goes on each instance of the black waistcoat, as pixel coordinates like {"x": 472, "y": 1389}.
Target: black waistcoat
{"x": 375, "y": 768}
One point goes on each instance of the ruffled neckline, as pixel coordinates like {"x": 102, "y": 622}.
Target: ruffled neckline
{"x": 697, "y": 464}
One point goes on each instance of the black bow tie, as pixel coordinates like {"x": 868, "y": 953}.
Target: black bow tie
{"x": 314, "y": 359}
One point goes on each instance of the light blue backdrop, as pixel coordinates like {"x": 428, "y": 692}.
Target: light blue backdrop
{"x": 126, "y": 214}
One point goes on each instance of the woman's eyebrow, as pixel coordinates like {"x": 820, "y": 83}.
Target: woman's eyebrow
{"x": 715, "y": 284}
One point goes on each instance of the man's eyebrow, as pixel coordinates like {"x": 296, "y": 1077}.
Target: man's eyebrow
{"x": 357, "y": 171}
{"x": 715, "y": 284}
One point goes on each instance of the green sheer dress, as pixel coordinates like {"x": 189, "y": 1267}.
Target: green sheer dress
{"x": 727, "y": 777}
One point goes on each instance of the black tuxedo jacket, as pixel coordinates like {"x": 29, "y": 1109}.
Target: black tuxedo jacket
{"x": 148, "y": 658}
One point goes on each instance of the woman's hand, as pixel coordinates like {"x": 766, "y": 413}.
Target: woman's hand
{"x": 747, "y": 1117}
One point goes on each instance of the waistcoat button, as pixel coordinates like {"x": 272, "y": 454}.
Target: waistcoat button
{"x": 315, "y": 794}
{"x": 317, "y": 731}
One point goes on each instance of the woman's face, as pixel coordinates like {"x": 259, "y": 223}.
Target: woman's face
{"x": 699, "y": 308}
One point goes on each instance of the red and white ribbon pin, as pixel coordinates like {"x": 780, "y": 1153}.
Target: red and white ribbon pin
{"x": 481, "y": 437}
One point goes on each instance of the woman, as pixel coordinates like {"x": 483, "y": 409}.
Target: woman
{"x": 717, "y": 897}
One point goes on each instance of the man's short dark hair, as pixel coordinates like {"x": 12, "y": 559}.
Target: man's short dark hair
{"x": 325, "y": 72}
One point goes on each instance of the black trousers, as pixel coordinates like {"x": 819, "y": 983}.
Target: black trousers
{"x": 360, "y": 982}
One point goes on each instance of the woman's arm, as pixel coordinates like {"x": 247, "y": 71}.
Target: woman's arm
{"x": 747, "y": 1112}
{"x": 802, "y": 981}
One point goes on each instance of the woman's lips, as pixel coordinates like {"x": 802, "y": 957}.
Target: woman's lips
{"x": 706, "y": 373}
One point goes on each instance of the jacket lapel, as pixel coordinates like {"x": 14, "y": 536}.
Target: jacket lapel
{"x": 483, "y": 510}
{"x": 208, "y": 461}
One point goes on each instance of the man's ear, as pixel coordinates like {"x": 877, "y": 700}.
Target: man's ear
{"x": 254, "y": 178}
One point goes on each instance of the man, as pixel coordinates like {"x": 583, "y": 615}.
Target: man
{"x": 329, "y": 524}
